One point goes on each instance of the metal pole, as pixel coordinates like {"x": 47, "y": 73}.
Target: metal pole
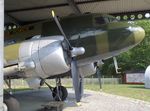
{"x": 99, "y": 77}
{"x": 1, "y": 52}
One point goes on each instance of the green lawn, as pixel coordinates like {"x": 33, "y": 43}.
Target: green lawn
{"x": 133, "y": 91}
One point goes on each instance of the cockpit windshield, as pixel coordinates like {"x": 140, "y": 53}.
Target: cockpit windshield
{"x": 103, "y": 19}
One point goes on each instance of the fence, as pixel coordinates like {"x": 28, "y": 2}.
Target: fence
{"x": 20, "y": 83}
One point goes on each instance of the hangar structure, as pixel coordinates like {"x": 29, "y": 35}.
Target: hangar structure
{"x": 21, "y": 12}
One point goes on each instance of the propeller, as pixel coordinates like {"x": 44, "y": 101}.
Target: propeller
{"x": 77, "y": 80}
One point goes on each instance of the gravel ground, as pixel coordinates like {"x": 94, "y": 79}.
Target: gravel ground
{"x": 98, "y": 101}
{"x": 92, "y": 101}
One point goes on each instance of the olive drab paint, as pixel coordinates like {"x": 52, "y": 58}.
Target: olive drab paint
{"x": 100, "y": 35}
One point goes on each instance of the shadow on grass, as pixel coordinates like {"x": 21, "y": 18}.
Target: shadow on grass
{"x": 18, "y": 89}
{"x": 137, "y": 87}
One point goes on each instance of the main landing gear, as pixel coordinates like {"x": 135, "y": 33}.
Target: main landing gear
{"x": 10, "y": 101}
{"x": 59, "y": 92}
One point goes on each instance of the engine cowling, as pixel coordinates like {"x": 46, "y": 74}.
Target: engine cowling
{"x": 87, "y": 70}
{"x": 43, "y": 57}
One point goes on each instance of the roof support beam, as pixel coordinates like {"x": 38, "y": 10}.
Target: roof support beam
{"x": 1, "y": 53}
{"x": 74, "y": 6}
{"x": 55, "y": 5}
{"x": 12, "y": 19}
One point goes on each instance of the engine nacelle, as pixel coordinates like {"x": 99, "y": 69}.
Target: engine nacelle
{"x": 43, "y": 57}
{"x": 87, "y": 70}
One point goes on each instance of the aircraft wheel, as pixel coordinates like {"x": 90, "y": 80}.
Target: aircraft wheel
{"x": 60, "y": 94}
{"x": 11, "y": 103}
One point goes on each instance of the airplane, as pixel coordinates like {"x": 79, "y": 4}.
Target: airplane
{"x": 74, "y": 45}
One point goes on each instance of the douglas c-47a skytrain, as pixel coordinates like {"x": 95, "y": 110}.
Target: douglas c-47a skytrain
{"x": 71, "y": 45}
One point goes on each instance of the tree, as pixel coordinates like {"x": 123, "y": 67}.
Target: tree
{"x": 136, "y": 59}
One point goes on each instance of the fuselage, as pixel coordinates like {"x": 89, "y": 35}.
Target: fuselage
{"x": 102, "y": 36}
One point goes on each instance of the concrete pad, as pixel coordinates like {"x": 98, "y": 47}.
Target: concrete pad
{"x": 92, "y": 101}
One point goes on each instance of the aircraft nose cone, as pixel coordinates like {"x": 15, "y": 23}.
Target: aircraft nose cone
{"x": 139, "y": 34}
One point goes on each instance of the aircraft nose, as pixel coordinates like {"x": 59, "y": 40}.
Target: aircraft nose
{"x": 139, "y": 34}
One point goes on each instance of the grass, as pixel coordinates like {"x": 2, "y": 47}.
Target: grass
{"x": 132, "y": 91}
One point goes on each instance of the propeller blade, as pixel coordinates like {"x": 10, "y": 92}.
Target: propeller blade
{"x": 76, "y": 79}
{"x": 60, "y": 28}
{"x": 81, "y": 87}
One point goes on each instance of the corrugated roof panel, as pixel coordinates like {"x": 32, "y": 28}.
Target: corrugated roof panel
{"x": 41, "y": 14}
{"x": 115, "y": 6}
{"x": 82, "y": 0}
{"x": 19, "y": 4}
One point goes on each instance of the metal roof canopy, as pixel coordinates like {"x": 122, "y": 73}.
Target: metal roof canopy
{"x": 24, "y": 11}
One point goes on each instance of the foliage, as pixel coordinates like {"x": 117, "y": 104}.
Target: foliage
{"x": 136, "y": 59}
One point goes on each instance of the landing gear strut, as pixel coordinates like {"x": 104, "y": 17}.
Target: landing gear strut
{"x": 8, "y": 83}
{"x": 59, "y": 92}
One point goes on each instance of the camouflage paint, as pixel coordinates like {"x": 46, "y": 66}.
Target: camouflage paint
{"x": 92, "y": 32}
{"x": 11, "y": 52}
{"x": 102, "y": 43}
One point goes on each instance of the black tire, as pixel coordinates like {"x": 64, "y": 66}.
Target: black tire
{"x": 11, "y": 103}
{"x": 63, "y": 93}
